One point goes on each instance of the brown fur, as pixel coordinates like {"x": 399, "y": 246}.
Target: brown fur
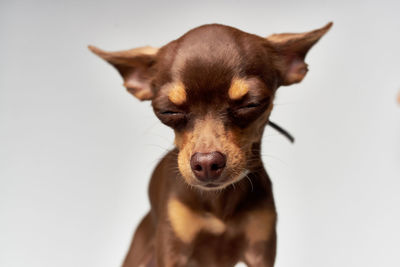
{"x": 215, "y": 87}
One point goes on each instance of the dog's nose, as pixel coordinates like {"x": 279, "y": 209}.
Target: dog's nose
{"x": 208, "y": 166}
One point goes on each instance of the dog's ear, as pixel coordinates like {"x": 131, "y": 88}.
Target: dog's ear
{"x": 135, "y": 66}
{"x": 292, "y": 49}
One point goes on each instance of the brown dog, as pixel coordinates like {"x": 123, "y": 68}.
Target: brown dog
{"x": 211, "y": 199}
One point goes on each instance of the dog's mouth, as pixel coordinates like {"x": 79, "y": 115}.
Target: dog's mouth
{"x": 224, "y": 182}
{"x": 211, "y": 185}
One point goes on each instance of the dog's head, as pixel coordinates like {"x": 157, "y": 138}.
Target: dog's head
{"x": 215, "y": 86}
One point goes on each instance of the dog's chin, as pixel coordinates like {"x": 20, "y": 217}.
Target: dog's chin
{"x": 215, "y": 186}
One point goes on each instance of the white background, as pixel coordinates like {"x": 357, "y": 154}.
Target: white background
{"x": 76, "y": 150}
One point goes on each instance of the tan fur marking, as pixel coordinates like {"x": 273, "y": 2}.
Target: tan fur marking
{"x": 177, "y": 94}
{"x": 209, "y": 135}
{"x": 238, "y": 89}
{"x": 187, "y": 223}
{"x": 260, "y": 225}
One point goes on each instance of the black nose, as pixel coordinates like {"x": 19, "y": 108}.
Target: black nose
{"x": 208, "y": 166}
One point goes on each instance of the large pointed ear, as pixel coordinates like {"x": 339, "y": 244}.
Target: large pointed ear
{"x": 292, "y": 49}
{"x": 135, "y": 67}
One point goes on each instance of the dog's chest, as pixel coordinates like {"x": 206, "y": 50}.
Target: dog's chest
{"x": 189, "y": 225}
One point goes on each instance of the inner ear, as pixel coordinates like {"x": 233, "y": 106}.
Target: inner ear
{"x": 136, "y": 67}
{"x": 292, "y": 49}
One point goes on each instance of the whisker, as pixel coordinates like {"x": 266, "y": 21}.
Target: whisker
{"x": 251, "y": 183}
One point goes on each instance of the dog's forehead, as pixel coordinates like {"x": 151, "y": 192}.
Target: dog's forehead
{"x": 204, "y": 65}
{"x": 208, "y": 45}
{"x": 207, "y": 59}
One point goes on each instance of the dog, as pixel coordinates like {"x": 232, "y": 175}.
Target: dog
{"x": 211, "y": 199}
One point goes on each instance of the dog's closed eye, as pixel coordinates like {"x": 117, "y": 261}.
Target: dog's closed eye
{"x": 250, "y": 106}
{"x": 246, "y": 113}
{"x": 169, "y": 112}
{"x": 172, "y": 118}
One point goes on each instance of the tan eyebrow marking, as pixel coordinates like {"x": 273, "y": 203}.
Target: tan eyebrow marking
{"x": 177, "y": 93}
{"x": 238, "y": 89}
